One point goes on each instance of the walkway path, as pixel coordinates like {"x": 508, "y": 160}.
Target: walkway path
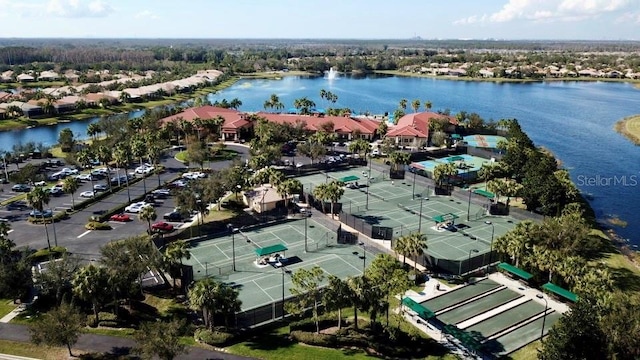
{"x": 104, "y": 344}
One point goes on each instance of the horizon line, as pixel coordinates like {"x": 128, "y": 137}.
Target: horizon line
{"x": 417, "y": 38}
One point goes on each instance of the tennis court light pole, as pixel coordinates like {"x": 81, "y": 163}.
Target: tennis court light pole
{"x": 469, "y": 260}
{"x": 493, "y": 230}
{"x": 420, "y": 217}
{"x": 368, "y": 186}
{"x": 413, "y": 192}
{"x": 364, "y": 256}
{"x": 469, "y": 205}
{"x": 305, "y": 232}
{"x": 233, "y": 245}
{"x": 544, "y": 318}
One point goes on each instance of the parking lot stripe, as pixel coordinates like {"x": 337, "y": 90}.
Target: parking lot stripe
{"x": 10, "y": 231}
{"x": 84, "y": 233}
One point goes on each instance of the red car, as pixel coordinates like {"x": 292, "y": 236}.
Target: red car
{"x": 120, "y": 217}
{"x": 162, "y": 226}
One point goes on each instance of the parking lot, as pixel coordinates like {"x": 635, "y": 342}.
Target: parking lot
{"x": 71, "y": 232}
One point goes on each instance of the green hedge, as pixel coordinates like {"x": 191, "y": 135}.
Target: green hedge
{"x": 46, "y": 254}
{"x": 57, "y": 217}
{"x": 214, "y": 338}
{"x": 96, "y": 225}
{"x": 312, "y": 338}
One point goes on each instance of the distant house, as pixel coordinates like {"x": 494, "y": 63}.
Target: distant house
{"x": 94, "y": 98}
{"x": 25, "y": 78}
{"x": 486, "y": 73}
{"x": 346, "y": 128}
{"x": 72, "y": 76}
{"x": 7, "y": 76}
{"x": 29, "y": 110}
{"x": 48, "y": 76}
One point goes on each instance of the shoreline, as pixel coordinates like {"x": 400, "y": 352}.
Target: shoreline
{"x": 629, "y": 127}
{"x": 274, "y": 74}
{"x": 25, "y": 123}
{"x": 507, "y": 80}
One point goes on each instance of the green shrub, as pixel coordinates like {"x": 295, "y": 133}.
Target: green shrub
{"x": 108, "y": 319}
{"x": 95, "y": 225}
{"x": 214, "y": 338}
{"x": 311, "y": 338}
{"x": 46, "y": 254}
{"x": 57, "y": 217}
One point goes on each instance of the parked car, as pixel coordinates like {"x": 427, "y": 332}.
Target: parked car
{"x": 40, "y": 183}
{"x": 17, "y": 205}
{"x": 161, "y": 193}
{"x": 173, "y": 216}
{"x": 136, "y": 207}
{"x": 88, "y": 194}
{"x": 47, "y": 213}
{"x": 194, "y": 175}
{"x": 120, "y": 218}
{"x": 100, "y": 187}
{"x": 86, "y": 177}
{"x": 21, "y": 188}
{"x": 161, "y": 226}
{"x": 144, "y": 169}
{"x": 55, "y": 191}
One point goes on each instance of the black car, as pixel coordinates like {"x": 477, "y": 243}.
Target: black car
{"x": 173, "y": 216}
{"x": 17, "y": 205}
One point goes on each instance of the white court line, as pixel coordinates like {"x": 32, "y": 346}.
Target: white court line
{"x": 84, "y": 233}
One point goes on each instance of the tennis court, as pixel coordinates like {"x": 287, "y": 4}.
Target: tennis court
{"x": 478, "y": 306}
{"x": 460, "y": 295}
{"x": 525, "y": 334}
{"x": 259, "y": 284}
{"x": 392, "y": 204}
{"x": 507, "y": 318}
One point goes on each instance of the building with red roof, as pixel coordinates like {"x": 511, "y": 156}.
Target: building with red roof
{"x": 412, "y": 130}
{"x": 346, "y": 128}
{"x": 235, "y": 122}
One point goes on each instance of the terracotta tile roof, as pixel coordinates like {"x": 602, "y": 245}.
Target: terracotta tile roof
{"x": 420, "y": 121}
{"x": 233, "y": 119}
{"x": 341, "y": 124}
{"x": 406, "y": 131}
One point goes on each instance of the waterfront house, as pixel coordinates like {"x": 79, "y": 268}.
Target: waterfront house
{"x": 24, "y": 77}
{"x": 48, "y": 76}
{"x": 235, "y": 124}
{"x": 345, "y": 127}
{"x": 412, "y": 130}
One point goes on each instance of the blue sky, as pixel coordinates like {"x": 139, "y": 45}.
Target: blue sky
{"x": 356, "y": 19}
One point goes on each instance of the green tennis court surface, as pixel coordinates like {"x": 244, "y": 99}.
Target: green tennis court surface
{"x": 392, "y": 204}
{"x": 478, "y": 306}
{"x": 507, "y": 318}
{"x": 460, "y": 295}
{"x": 259, "y": 284}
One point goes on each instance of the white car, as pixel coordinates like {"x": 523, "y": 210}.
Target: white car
{"x": 68, "y": 171}
{"x": 40, "y": 183}
{"x": 144, "y": 169}
{"x": 161, "y": 192}
{"x": 85, "y": 177}
{"x": 136, "y": 207}
{"x": 88, "y": 194}
{"x": 100, "y": 187}
{"x": 194, "y": 175}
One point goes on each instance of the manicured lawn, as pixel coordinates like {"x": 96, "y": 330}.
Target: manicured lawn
{"x": 224, "y": 154}
{"x": 215, "y": 215}
{"x": 529, "y": 352}
{"x": 6, "y": 306}
{"x": 31, "y": 350}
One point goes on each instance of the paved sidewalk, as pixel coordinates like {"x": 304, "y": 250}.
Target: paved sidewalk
{"x": 117, "y": 345}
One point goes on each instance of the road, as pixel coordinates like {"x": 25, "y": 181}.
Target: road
{"x": 71, "y": 232}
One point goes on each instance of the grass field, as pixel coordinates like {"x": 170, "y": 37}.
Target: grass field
{"x": 629, "y": 127}
{"x": 6, "y": 306}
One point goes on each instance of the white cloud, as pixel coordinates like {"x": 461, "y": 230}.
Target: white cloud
{"x": 552, "y": 10}
{"x": 78, "y": 8}
{"x": 146, "y": 14}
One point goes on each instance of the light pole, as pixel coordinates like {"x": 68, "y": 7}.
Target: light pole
{"x": 305, "y": 232}
{"x": 493, "y": 230}
{"x": 413, "y": 191}
{"x": 53, "y": 225}
{"x": 469, "y": 205}
{"x": 469, "y": 260}
{"x": 364, "y": 256}
{"x": 368, "y": 185}
{"x": 420, "y": 215}
{"x": 544, "y": 318}
{"x": 264, "y": 193}
{"x": 233, "y": 244}
{"x": 284, "y": 271}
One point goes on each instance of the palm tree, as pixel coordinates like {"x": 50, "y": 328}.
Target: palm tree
{"x": 105, "y": 156}
{"x": 202, "y": 296}
{"x": 403, "y": 104}
{"x": 70, "y": 186}
{"x": 154, "y": 153}
{"x": 398, "y": 160}
{"x": 124, "y": 97}
{"x": 122, "y": 157}
{"x": 175, "y": 252}
{"x": 400, "y": 246}
{"x": 148, "y": 214}
{"x": 415, "y": 105}
{"x": 321, "y": 193}
{"x": 91, "y": 284}
{"x": 288, "y": 187}
{"x": 518, "y": 242}
{"x": 139, "y": 150}
{"x": 358, "y": 286}
{"x": 443, "y": 172}
{"x": 38, "y": 198}
{"x": 93, "y": 130}
{"x": 85, "y": 157}
{"x": 427, "y": 105}
{"x": 416, "y": 245}
{"x": 335, "y": 190}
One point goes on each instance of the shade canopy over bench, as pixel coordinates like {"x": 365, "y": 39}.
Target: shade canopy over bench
{"x": 515, "y": 271}
{"x": 271, "y": 250}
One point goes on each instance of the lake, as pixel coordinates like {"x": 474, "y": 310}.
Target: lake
{"x": 572, "y": 119}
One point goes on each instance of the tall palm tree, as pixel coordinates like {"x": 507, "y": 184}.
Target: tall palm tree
{"x": 85, "y": 157}
{"x": 70, "y": 186}
{"x": 148, "y": 214}
{"x": 288, "y": 187}
{"x": 335, "y": 190}
{"x": 105, "y": 156}
{"x": 202, "y": 296}
{"x": 400, "y": 246}
{"x": 403, "y": 104}
{"x": 427, "y": 105}
{"x": 38, "y": 198}
{"x": 415, "y": 105}
{"x": 398, "y": 160}
{"x": 175, "y": 252}
{"x": 321, "y": 193}
{"x": 416, "y": 245}
{"x": 154, "y": 153}
{"x": 93, "y": 130}
{"x": 358, "y": 286}
{"x": 91, "y": 284}
{"x": 336, "y": 296}
{"x": 122, "y": 157}
{"x": 139, "y": 150}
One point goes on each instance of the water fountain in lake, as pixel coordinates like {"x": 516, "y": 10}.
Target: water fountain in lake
{"x": 332, "y": 74}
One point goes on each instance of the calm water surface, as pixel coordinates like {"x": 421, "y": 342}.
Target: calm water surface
{"x": 573, "y": 119}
